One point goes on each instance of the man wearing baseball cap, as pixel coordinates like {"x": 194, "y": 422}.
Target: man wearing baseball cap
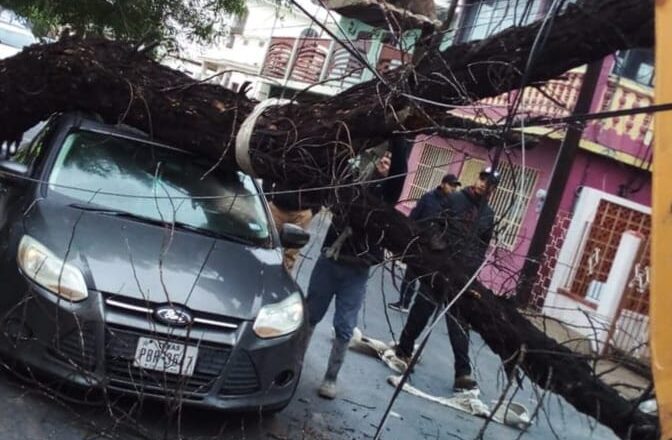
{"x": 430, "y": 206}
{"x": 469, "y": 229}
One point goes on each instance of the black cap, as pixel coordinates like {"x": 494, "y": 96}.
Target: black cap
{"x": 490, "y": 175}
{"x": 451, "y": 179}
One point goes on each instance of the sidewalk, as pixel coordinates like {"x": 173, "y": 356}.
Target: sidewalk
{"x": 628, "y": 383}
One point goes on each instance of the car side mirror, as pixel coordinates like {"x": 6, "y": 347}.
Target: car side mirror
{"x": 293, "y": 236}
{"x": 13, "y": 171}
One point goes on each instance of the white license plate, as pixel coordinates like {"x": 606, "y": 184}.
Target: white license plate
{"x": 165, "y": 356}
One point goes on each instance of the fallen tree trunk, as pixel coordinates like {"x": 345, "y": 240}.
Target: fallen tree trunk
{"x": 121, "y": 84}
{"x": 509, "y": 334}
{"x": 307, "y": 145}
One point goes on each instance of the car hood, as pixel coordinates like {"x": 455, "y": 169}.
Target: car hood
{"x": 126, "y": 257}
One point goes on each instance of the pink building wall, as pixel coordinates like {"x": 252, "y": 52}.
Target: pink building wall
{"x": 629, "y": 134}
{"x": 607, "y": 175}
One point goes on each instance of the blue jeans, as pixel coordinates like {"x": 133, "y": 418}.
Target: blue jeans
{"x": 347, "y": 283}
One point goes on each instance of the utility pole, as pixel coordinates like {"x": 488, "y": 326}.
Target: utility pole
{"x": 661, "y": 233}
{"x": 556, "y": 187}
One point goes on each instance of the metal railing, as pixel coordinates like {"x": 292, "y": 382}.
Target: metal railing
{"x": 317, "y": 60}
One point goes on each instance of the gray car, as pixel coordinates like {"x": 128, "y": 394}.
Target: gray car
{"x": 134, "y": 266}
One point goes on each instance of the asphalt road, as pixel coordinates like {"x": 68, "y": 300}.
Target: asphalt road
{"x": 27, "y": 412}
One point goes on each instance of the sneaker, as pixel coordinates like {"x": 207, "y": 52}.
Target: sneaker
{"x": 395, "y": 363}
{"x": 327, "y": 389}
{"x": 398, "y": 306}
{"x": 464, "y": 383}
{"x": 403, "y": 359}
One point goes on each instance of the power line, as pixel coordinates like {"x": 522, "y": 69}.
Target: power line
{"x": 222, "y": 197}
{"x": 582, "y": 117}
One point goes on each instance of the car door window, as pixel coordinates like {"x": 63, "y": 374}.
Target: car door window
{"x": 28, "y": 153}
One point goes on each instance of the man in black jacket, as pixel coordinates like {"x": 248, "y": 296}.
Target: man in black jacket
{"x": 431, "y": 205}
{"x": 469, "y": 228}
{"x": 342, "y": 270}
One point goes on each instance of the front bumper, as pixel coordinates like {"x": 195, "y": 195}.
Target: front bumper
{"x": 93, "y": 345}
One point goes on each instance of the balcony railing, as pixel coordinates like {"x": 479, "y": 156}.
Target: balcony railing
{"x": 344, "y": 68}
{"x": 632, "y": 134}
{"x": 319, "y": 60}
{"x": 555, "y": 98}
{"x": 627, "y": 137}
{"x": 278, "y": 57}
{"x": 391, "y": 58}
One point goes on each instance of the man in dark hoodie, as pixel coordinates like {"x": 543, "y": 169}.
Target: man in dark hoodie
{"x": 468, "y": 231}
{"x": 431, "y": 205}
{"x": 342, "y": 270}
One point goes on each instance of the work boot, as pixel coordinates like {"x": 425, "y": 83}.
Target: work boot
{"x": 464, "y": 382}
{"x": 338, "y": 350}
{"x": 327, "y": 389}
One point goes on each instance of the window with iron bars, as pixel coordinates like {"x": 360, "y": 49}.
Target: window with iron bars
{"x": 509, "y": 201}
{"x": 431, "y": 169}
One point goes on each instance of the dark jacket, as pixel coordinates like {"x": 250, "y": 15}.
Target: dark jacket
{"x": 430, "y": 205}
{"x": 358, "y": 249}
{"x": 470, "y": 225}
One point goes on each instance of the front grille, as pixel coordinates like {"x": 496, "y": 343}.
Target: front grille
{"x": 241, "y": 377}
{"x": 77, "y": 346}
{"x": 120, "y": 352}
{"x": 145, "y": 308}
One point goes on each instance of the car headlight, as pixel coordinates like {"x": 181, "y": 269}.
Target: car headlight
{"x": 41, "y": 265}
{"x": 279, "y": 318}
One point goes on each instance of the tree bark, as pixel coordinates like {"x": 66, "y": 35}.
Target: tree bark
{"x": 310, "y": 144}
{"x": 122, "y": 84}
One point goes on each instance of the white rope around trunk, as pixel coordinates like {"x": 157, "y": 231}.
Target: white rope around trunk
{"x": 244, "y": 134}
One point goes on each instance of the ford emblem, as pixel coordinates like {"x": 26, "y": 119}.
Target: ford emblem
{"x": 172, "y": 315}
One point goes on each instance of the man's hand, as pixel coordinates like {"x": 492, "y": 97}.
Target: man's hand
{"x": 383, "y": 164}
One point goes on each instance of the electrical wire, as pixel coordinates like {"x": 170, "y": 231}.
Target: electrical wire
{"x": 9, "y": 175}
{"x": 656, "y": 108}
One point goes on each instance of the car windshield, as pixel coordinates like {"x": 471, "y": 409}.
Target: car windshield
{"x": 160, "y": 184}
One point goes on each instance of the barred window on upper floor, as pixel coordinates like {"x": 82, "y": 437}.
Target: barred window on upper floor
{"x": 636, "y": 65}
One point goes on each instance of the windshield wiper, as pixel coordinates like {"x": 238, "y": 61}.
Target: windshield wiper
{"x": 176, "y": 225}
{"x": 213, "y": 234}
{"x": 117, "y": 213}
